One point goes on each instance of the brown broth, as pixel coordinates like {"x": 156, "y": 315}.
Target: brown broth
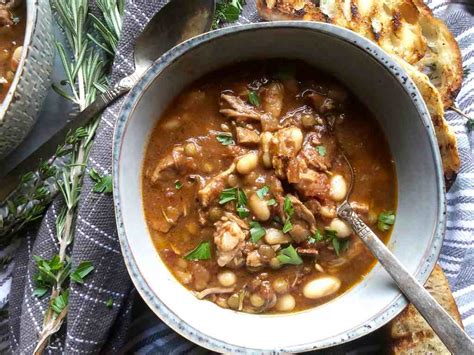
{"x": 11, "y": 37}
{"x": 194, "y": 117}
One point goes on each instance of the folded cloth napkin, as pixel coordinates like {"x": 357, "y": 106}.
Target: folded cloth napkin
{"x": 92, "y": 327}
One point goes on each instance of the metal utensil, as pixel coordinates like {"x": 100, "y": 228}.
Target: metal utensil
{"x": 451, "y": 334}
{"x": 177, "y": 21}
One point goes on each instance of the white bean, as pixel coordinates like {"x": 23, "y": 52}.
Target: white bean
{"x": 275, "y": 236}
{"x": 256, "y": 300}
{"x": 342, "y": 229}
{"x": 321, "y": 287}
{"x": 328, "y": 212}
{"x": 16, "y": 57}
{"x": 286, "y": 303}
{"x": 259, "y": 208}
{"x": 338, "y": 189}
{"x": 265, "y": 139}
{"x": 226, "y": 278}
{"x": 247, "y": 163}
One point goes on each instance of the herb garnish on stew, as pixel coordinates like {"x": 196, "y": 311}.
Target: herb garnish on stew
{"x": 225, "y": 139}
{"x": 201, "y": 252}
{"x": 254, "y": 99}
{"x": 290, "y": 256}
{"x": 256, "y": 231}
{"x": 385, "y": 220}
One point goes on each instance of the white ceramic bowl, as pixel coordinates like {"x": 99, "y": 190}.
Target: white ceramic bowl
{"x": 384, "y": 87}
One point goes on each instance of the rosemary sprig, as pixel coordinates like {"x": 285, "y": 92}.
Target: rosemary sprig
{"x": 86, "y": 67}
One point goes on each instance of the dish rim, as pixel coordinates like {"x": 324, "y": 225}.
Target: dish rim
{"x": 428, "y": 261}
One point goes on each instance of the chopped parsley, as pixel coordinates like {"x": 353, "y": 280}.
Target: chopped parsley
{"x": 178, "y": 185}
{"x": 271, "y": 202}
{"x": 289, "y": 210}
{"x": 225, "y": 139}
{"x": 109, "y": 303}
{"x": 228, "y": 195}
{"x": 321, "y": 150}
{"x": 103, "y": 184}
{"x": 201, "y": 252}
{"x": 84, "y": 269}
{"x": 254, "y": 99}
{"x": 339, "y": 245}
{"x": 385, "y": 220}
{"x": 317, "y": 236}
{"x": 465, "y": 72}
{"x": 262, "y": 192}
{"x": 256, "y": 231}
{"x": 242, "y": 211}
{"x": 290, "y": 256}
{"x": 287, "y": 226}
{"x": 238, "y": 195}
{"x": 227, "y": 11}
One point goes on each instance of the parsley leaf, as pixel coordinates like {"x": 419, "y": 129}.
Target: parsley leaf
{"x": 227, "y": 11}
{"x": 201, "y": 252}
{"x": 256, "y": 231}
{"x": 321, "y": 150}
{"x": 288, "y": 207}
{"x": 109, "y": 303}
{"x": 60, "y": 302}
{"x": 385, "y": 220}
{"x": 241, "y": 197}
{"x": 178, "y": 185}
{"x": 103, "y": 184}
{"x": 289, "y": 210}
{"x": 318, "y": 236}
{"x": 340, "y": 245}
{"x": 238, "y": 195}
{"x": 254, "y": 99}
{"x": 228, "y": 195}
{"x": 271, "y": 202}
{"x": 243, "y": 211}
{"x": 289, "y": 255}
{"x": 287, "y": 226}
{"x": 465, "y": 72}
{"x": 225, "y": 139}
{"x": 262, "y": 192}
{"x": 84, "y": 269}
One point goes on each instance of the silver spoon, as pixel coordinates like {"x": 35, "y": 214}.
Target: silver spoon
{"x": 177, "y": 21}
{"x": 451, "y": 334}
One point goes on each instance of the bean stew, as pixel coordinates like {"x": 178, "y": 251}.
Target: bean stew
{"x": 12, "y": 32}
{"x": 242, "y": 177}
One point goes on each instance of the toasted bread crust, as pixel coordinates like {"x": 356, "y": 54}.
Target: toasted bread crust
{"x": 407, "y": 30}
{"x": 409, "y": 333}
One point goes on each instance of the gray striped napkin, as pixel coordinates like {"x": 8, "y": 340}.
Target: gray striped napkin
{"x": 92, "y": 327}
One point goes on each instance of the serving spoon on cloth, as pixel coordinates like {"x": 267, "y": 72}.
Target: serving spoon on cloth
{"x": 174, "y": 23}
{"x": 451, "y": 334}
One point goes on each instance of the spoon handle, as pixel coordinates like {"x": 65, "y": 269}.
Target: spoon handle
{"x": 9, "y": 175}
{"x": 450, "y": 333}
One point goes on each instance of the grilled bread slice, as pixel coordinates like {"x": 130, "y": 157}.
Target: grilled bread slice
{"x": 445, "y": 136}
{"x": 405, "y": 28}
{"x": 409, "y": 333}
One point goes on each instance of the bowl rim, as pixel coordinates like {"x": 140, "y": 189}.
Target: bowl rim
{"x": 31, "y": 12}
{"x": 427, "y": 262}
